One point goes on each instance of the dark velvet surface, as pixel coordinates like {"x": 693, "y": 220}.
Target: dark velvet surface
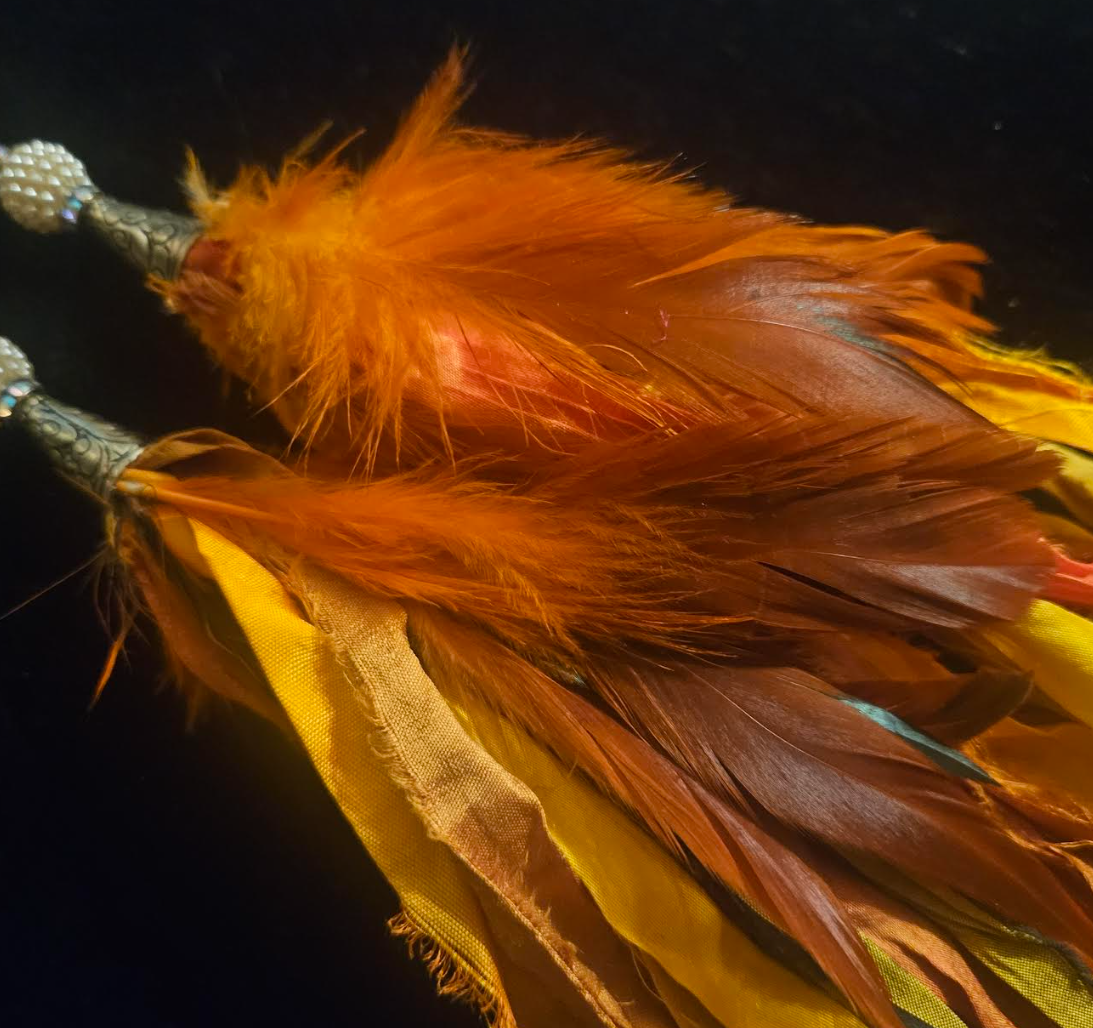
{"x": 155, "y": 876}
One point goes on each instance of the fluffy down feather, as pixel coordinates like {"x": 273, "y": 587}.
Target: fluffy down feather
{"x": 475, "y": 292}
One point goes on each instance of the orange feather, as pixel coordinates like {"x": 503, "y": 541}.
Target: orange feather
{"x": 204, "y": 658}
{"x": 712, "y": 547}
{"x": 726, "y": 837}
{"x": 475, "y": 292}
{"x": 639, "y": 609}
{"x": 669, "y": 540}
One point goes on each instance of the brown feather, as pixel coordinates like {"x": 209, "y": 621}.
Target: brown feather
{"x": 825, "y": 769}
{"x": 663, "y": 543}
{"x": 912, "y": 682}
{"x": 200, "y": 663}
{"x": 670, "y": 540}
{"x": 723, "y": 834}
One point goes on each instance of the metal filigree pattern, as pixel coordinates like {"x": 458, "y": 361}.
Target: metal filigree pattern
{"x": 86, "y": 449}
{"x": 155, "y": 241}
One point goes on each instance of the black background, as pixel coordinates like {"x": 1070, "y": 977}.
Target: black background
{"x": 155, "y": 876}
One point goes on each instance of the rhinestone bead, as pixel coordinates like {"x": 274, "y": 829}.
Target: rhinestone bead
{"x": 36, "y": 181}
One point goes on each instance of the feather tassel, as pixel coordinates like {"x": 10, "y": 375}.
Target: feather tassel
{"x": 708, "y": 506}
{"x": 714, "y": 760}
{"x": 435, "y": 301}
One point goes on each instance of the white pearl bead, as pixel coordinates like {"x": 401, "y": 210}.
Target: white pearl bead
{"x": 36, "y": 181}
{"x": 13, "y": 364}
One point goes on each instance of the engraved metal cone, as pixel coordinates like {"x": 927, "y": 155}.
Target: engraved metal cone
{"x": 46, "y": 189}
{"x": 84, "y": 448}
{"x": 155, "y": 241}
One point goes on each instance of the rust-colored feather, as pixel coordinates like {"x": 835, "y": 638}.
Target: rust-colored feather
{"x": 723, "y": 834}
{"x": 676, "y": 540}
{"x": 670, "y": 540}
{"x": 200, "y": 663}
{"x": 668, "y": 578}
{"x": 899, "y": 518}
{"x": 825, "y": 769}
{"x": 913, "y": 681}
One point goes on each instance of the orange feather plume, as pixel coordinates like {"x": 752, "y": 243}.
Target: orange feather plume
{"x": 669, "y": 540}
{"x": 474, "y": 292}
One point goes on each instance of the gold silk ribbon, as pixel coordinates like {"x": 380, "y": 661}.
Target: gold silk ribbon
{"x": 645, "y": 896}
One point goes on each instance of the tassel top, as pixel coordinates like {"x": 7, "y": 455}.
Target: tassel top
{"x": 85, "y": 449}
{"x": 44, "y": 188}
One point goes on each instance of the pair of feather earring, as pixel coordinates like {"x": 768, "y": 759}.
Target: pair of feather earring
{"x": 655, "y": 583}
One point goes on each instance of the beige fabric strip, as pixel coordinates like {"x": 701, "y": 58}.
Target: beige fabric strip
{"x": 561, "y": 962}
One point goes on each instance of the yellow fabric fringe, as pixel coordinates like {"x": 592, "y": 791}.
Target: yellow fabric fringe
{"x": 307, "y": 679}
{"x": 1052, "y": 401}
{"x": 1022, "y": 391}
{"x": 560, "y": 961}
{"x": 627, "y": 873}
{"x": 1056, "y": 646}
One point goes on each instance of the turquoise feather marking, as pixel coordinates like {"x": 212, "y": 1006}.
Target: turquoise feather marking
{"x": 944, "y": 756}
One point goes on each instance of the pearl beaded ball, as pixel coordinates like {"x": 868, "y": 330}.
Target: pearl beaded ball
{"x": 37, "y": 181}
{"x": 16, "y": 378}
{"x": 14, "y": 366}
